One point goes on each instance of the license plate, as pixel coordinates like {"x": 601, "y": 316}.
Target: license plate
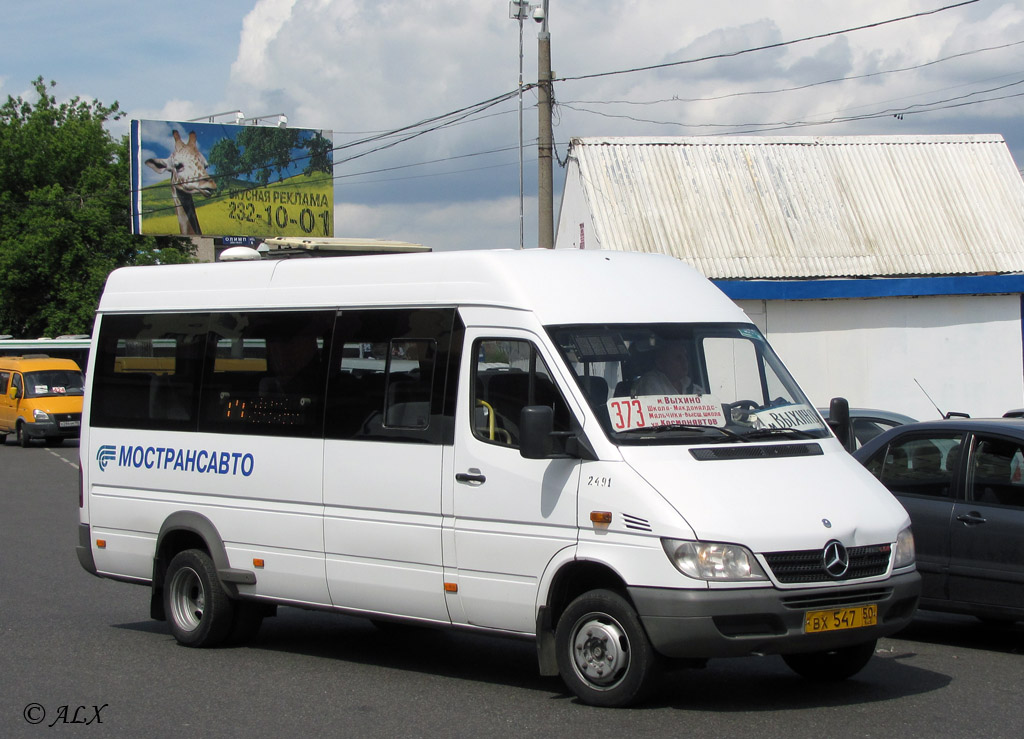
{"x": 69, "y": 424}
{"x": 840, "y": 618}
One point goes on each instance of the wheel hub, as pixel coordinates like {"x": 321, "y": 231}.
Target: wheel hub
{"x": 188, "y": 598}
{"x": 600, "y": 652}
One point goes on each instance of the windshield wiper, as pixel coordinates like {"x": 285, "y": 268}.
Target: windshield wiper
{"x": 726, "y": 433}
{"x": 767, "y": 432}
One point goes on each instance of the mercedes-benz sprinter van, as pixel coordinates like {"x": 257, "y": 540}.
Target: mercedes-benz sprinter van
{"x": 595, "y": 450}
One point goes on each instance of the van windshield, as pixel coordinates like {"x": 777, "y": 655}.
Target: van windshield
{"x": 675, "y": 383}
{"x": 53, "y": 382}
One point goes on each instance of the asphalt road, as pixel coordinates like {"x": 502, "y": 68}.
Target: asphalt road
{"x": 74, "y": 648}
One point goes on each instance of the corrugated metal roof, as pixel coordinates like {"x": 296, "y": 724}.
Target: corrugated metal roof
{"x": 805, "y": 207}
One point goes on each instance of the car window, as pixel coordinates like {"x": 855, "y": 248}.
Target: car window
{"x": 918, "y": 465}
{"x": 866, "y": 429}
{"x": 997, "y": 472}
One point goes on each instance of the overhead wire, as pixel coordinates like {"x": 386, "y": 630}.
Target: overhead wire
{"x": 765, "y": 47}
{"x": 795, "y": 88}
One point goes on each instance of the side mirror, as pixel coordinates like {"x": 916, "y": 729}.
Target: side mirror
{"x": 536, "y": 426}
{"x": 839, "y": 420}
{"x": 13, "y": 393}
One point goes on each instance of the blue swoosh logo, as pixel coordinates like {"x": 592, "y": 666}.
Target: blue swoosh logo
{"x": 106, "y": 454}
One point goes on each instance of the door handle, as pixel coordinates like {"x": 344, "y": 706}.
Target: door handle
{"x": 472, "y": 476}
{"x": 971, "y": 519}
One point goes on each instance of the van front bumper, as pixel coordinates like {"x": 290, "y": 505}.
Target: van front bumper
{"x": 699, "y": 624}
{"x": 63, "y": 426}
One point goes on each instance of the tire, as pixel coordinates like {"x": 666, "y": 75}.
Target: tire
{"x": 3, "y": 439}
{"x": 22, "y": 437}
{"x": 604, "y": 655}
{"x": 199, "y": 611}
{"x": 831, "y": 665}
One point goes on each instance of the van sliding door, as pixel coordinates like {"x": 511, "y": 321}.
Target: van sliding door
{"x": 387, "y": 425}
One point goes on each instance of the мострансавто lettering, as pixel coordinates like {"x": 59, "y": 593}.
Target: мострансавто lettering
{"x": 186, "y": 460}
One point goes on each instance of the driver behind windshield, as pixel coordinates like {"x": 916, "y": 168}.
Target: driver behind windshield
{"x": 671, "y": 373}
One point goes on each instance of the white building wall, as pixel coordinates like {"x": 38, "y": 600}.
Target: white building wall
{"x": 966, "y": 351}
{"x": 575, "y": 227}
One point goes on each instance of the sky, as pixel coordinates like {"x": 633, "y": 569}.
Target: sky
{"x": 375, "y": 71}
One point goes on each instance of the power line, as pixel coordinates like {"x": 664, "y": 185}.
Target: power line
{"x": 890, "y": 112}
{"x": 735, "y": 125}
{"x": 744, "y": 93}
{"x": 777, "y": 45}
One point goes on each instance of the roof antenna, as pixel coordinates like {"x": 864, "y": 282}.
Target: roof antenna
{"x": 941, "y": 414}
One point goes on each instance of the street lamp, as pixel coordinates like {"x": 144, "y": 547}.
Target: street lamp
{"x": 519, "y": 10}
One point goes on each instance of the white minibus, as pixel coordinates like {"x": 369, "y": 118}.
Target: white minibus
{"x": 594, "y": 450}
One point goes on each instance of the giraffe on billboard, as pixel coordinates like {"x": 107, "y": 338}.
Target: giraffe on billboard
{"x": 188, "y": 169}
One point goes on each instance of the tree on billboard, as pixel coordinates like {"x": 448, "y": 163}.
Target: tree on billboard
{"x": 257, "y": 153}
{"x": 65, "y": 219}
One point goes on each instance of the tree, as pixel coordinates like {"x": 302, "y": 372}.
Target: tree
{"x": 257, "y": 153}
{"x": 65, "y": 214}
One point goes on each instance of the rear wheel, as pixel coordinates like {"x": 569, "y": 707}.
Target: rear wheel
{"x": 831, "y": 665}
{"x": 198, "y": 609}
{"x": 3, "y": 439}
{"x": 604, "y": 655}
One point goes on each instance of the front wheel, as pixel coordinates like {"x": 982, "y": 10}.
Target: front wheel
{"x": 604, "y": 655}
{"x": 831, "y": 665}
{"x": 199, "y": 611}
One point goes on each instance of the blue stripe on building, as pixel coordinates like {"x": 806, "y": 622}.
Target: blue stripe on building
{"x": 882, "y": 287}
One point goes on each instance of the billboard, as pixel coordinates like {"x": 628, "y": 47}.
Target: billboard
{"x": 228, "y": 180}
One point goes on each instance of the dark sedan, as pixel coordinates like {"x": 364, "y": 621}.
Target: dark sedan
{"x": 962, "y": 482}
{"x": 866, "y": 424}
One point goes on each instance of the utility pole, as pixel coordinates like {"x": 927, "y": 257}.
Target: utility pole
{"x": 518, "y": 10}
{"x": 545, "y": 191}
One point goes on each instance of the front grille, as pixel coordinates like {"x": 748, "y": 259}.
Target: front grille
{"x": 808, "y": 566}
{"x": 832, "y": 599}
{"x": 58, "y": 417}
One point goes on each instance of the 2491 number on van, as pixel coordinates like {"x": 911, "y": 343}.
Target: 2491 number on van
{"x": 838, "y": 619}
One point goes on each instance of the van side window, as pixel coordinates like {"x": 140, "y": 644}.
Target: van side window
{"x": 509, "y": 375}
{"x": 4, "y": 379}
{"x": 147, "y": 371}
{"x": 390, "y": 375}
{"x": 267, "y": 373}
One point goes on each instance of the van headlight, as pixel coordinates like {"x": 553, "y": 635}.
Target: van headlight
{"x": 904, "y": 550}
{"x": 708, "y": 560}
{"x": 41, "y": 416}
